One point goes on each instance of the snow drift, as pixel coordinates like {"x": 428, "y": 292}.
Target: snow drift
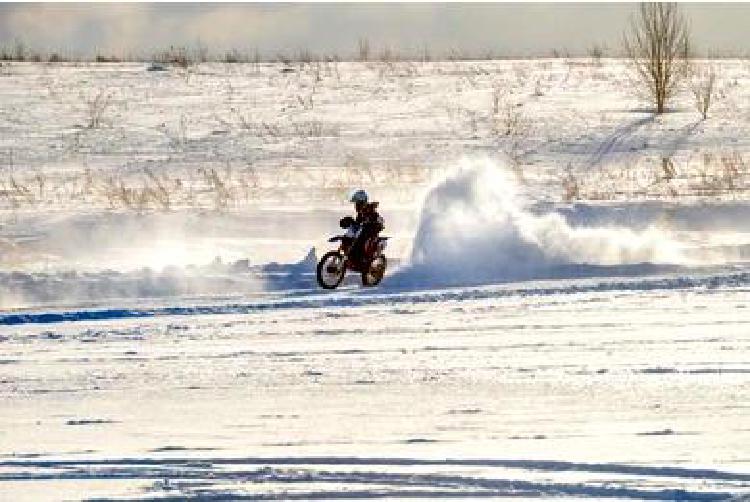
{"x": 474, "y": 228}
{"x": 239, "y": 278}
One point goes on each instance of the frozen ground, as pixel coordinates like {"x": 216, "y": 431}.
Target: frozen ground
{"x": 569, "y": 389}
{"x": 162, "y": 335}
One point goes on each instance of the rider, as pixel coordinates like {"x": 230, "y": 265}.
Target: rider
{"x": 369, "y": 222}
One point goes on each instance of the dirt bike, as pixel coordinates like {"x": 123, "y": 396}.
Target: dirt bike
{"x": 333, "y": 265}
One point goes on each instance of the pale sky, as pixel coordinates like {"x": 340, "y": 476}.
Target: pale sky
{"x": 504, "y": 28}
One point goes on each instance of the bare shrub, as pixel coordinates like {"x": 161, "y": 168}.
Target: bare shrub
{"x": 363, "y": 50}
{"x": 307, "y": 102}
{"x": 118, "y": 193}
{"x": 508, "y": 117}
{"x": 388, "y": 55}
{"x": 510, "y": 125}
{"x": 714, "y": 174}
{"x": 425, "y": 56}
{"x": 305, "y": 56}
{"x": 19, "y": 50}
{"x": 455, "y": 54}
{"x": 702, "y": 86}
{"x": 722, "y": 173}
{"x": 538, "y": 92}
{"x": 233, "y": 56}
{"x": 158, "y": 190}
{"x": 256, "y": 61}
{"x": 17, "y": 192}
{"x": 571, "y": 187}
{"x": 269, "y": 129}
{"x": 97, "y": 106}
{"x": 219, "y": 185}
{"x": 101, "y": 58}
{"x": 285, "y": 60}
{"x": 596, "y": 53}
{"x": 178, "y": 138}
{"x": 177, "y": 56}
{"x": 732, "y": 168}
{"x": 658, "y": 48}
{"x": 200, "y": 53}
{"x": 148, "y": 192}
{"x": 332, "y": 67}
{"x": 668, "y": 170}
{"x": 41, "y": 181}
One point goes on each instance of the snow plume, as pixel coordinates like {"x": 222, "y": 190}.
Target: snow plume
{"x": 473, "y": 228}
{"x": 225, "y": 280}
{"x": 92, "y": 257}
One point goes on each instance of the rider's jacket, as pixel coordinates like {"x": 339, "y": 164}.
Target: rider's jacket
{"x": 369, "y": 219}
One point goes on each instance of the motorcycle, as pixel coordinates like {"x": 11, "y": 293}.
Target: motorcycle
{"x": 333, "y": 265}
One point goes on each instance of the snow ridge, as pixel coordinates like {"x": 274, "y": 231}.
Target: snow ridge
{"x": 359, "y": 298}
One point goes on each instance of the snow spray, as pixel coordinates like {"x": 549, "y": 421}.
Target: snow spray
{"x": 474, "y": 228}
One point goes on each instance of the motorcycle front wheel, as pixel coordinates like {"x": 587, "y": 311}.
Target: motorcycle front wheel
{"x": 331, "y": 270}
{"x": 375, "y": 272}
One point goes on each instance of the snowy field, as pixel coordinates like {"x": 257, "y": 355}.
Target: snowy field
{"x": 565, "y": 314}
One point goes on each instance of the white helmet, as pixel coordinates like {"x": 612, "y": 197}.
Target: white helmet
{"x": 359, "y": 196}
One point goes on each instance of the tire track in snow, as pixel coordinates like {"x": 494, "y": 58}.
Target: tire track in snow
{"x": 609, "y": 145}
{"x": 207, "y": 478}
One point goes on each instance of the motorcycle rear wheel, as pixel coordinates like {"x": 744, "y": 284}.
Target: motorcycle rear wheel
{"x": 375, "y": 272}
{"x": 331, "y": 270}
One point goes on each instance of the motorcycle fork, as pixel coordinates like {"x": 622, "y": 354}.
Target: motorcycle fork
{"x": 344, "y": 252}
